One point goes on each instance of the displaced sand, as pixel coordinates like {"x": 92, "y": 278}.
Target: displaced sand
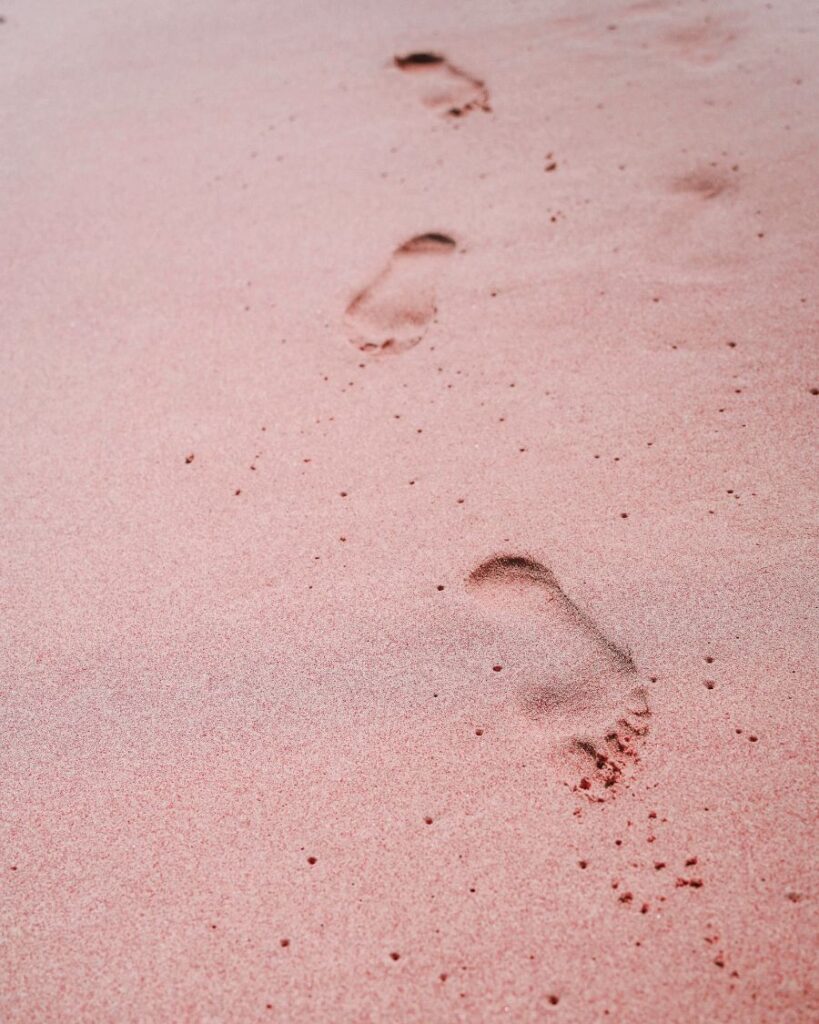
{"x": 408, "y": 513}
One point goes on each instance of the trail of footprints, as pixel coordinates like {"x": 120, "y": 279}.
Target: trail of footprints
{"x": 392, "y": 313}
{"x": 584, "y": 689}
{"x": 587, "y": 692}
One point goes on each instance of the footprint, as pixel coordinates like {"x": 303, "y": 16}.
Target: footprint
{"x": 443, "y": 87}
{"x": 707, "y": 182}
{"x": 392, "y": 314}
{"x": 582, "y": 686}
{"x": 702, "y": 42}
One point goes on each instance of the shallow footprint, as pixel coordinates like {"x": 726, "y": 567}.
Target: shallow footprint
{"x": 393, "y": 313}
{"x": 702, "y": 42}
{"x": 586, "y": 689}
{"x": 443, "y": 87}
{"x": 707, "y": 182}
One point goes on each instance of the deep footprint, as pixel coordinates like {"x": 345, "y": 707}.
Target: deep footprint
{"x": 393, "y": 313}
{"x": 584, "y": 687}
{"x": 443, "y": 87}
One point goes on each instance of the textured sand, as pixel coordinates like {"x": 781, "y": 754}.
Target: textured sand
{"x": 405, "y": 628}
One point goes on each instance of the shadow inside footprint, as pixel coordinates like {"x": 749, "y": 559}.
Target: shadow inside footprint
{"x": 392, "y": 314}
{"x": 443, "y": 87}
{"x": 583, "y": 686}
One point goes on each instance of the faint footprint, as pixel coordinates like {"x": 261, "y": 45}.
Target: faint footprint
{"x": 392, "y": 314}
{"x": 708, "y": 182}
{"x": 701, "y": 42}
{"x": 583, "y": 686}
{"x": 444, "y": 87}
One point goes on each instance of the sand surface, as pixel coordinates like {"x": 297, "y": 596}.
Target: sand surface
{"x": 408, "y": 515}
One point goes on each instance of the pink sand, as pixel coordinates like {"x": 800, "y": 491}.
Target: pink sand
{"x": 217, "y": 668}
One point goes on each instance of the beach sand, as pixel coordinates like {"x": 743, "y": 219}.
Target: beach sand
{"x": 409, "y": 511}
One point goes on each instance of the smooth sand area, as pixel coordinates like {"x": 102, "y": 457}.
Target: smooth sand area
{"x": 409, "y": 511}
